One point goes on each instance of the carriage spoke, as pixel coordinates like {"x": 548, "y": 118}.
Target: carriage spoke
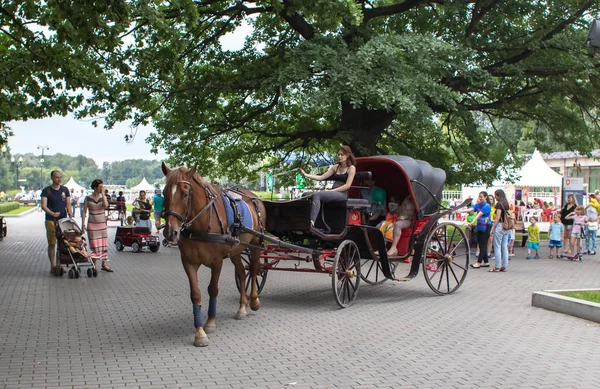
{"x": 459, "y": 266}
{"x": 451, "y": 239}
{"x": 373, "y": 263}
{"x": 448, "y": 277}
{"x": 441, "y": 276}
{"x": 453, "y": 274}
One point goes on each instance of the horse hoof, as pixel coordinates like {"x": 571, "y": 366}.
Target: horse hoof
{"x": 210, "y": 329}
{"x": 240, "y": 315}
{"x": 255, "y": 306}
{"x": 201, "y": 341}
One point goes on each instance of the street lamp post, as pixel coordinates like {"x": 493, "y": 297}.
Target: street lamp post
{"x": 41, "y": 171}
{"x": 17, "y": 166}
{"x": 43, "y": 148}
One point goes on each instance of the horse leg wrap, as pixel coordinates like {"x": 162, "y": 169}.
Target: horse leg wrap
{"x": 198, "y": 319}
{"x": 212, "y": 307}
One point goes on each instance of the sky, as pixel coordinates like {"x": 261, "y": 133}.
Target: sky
{"x": 70, "y": 136}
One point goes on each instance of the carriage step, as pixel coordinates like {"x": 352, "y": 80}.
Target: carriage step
{"x": 403, "y": 279}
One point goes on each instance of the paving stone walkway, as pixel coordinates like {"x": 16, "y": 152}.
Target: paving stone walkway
{"x": 134, "y": 328}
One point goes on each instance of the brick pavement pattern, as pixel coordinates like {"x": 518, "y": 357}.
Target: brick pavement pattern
{"x": 134, "y": 328}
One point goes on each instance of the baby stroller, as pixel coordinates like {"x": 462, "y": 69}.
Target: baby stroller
{"x": 71, "y": 251}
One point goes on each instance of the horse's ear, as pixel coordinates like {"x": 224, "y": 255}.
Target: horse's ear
{"x": 165, "y": 168}
{"x": 193, "y": 170}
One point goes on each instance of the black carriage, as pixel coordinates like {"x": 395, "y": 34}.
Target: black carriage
{"x": 343, "y": 245}
{"x": 116, "y": 211}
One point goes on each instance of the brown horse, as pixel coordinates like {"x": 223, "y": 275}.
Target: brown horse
{"x": 196, "y": 219}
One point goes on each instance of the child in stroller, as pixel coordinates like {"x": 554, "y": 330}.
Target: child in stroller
{"x": 71, "y": 249}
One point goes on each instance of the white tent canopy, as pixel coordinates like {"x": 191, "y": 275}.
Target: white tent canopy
{"x": 144, "y": 185}
{"x": 73, "y": 185}
{"x": 536, "y": 173}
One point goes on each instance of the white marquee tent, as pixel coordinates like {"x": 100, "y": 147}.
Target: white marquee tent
{"x": 144, "y": 185}
{"x": 536, "y": 173}
{"x": 74, "y": 185}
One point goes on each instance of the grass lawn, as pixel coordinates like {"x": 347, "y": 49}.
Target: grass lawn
{"x": 593, "y": 296}
{"x": 19, "y": 210}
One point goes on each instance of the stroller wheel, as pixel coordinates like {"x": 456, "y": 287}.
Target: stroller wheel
{"x": 71, "y": 273}
{"x": 95, "y": 271}
{"x": 90, "y": 273}
{"x": 77, "y": 273}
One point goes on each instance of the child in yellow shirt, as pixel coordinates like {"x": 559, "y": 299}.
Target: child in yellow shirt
{"x": 533, "y": 240}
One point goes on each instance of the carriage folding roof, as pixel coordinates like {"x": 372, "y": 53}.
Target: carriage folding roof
{"x": 396, "y": 175}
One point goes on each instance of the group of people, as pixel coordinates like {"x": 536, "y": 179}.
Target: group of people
{"x": 489, "y": 227}
{"x": 56, "y": 202}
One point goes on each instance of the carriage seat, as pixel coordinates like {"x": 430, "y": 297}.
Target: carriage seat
{"x": 358, "y": 203}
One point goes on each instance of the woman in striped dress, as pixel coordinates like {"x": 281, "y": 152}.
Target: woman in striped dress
{"x": 96, "y": 203}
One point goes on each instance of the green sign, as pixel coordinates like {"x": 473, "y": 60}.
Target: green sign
{"x": 269, "y": 181}
{"x": 300, "y": 181}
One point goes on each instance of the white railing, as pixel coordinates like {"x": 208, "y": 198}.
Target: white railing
{"x": 451, "y": 194}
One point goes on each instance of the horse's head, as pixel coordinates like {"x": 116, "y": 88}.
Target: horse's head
{"x": 178, "y": 195}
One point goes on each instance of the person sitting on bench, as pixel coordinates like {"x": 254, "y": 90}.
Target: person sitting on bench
{"x": 398, "y": 217}
{"x": 376, "y": 197}
{"x": 342, "y": 174}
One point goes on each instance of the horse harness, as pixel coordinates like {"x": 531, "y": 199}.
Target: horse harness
{"x": 236, "y": 228}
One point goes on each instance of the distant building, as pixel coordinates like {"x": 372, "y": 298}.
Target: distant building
{"x": 572, "y": 164}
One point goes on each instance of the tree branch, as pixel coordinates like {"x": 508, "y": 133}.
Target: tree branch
{"x": 560, "y": 27}
{"x": 297, "y": 22}
{"x": 371, "y": 13}
{"x": 478, "y": 13}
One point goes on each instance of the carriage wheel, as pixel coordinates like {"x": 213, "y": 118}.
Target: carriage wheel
{"x": 346, "y": 273}
{"x": 446, "y": 248}
{"x": 261, "y": 278}
{"x": 371, "y": 272}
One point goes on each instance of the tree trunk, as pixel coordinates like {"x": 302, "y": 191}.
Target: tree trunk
{"x": 363, "y": 127}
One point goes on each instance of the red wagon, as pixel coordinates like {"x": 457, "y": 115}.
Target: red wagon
{"x": 137, "y": 238}
{"x": 342, "y": 245}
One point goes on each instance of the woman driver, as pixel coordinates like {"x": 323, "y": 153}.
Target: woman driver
{"x": 342, "y": 174}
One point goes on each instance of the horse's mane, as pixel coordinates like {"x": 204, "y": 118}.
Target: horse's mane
{"x": 177, "y": 175}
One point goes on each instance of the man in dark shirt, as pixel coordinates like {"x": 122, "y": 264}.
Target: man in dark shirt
{"x": 56, "y": 203}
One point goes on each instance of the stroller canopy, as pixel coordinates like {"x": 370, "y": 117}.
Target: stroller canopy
{"x": 397, "y": 174}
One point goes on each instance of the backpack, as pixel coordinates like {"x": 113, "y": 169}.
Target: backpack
{"x": 509, "y": 220}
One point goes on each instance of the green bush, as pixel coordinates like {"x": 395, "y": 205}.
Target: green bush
{"x": 6, "y": 207}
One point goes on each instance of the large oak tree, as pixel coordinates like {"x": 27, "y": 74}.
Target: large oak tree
{"x": 431, "y": 79}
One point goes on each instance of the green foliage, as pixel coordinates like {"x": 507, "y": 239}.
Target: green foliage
{"x": 6, "y": 207}
{"x": 456, "y": 83}
{"x": 83, "y": 170}
{"x": 268, "y": 195}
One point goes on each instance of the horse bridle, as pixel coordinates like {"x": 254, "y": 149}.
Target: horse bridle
{"x": 183, "y": 218}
